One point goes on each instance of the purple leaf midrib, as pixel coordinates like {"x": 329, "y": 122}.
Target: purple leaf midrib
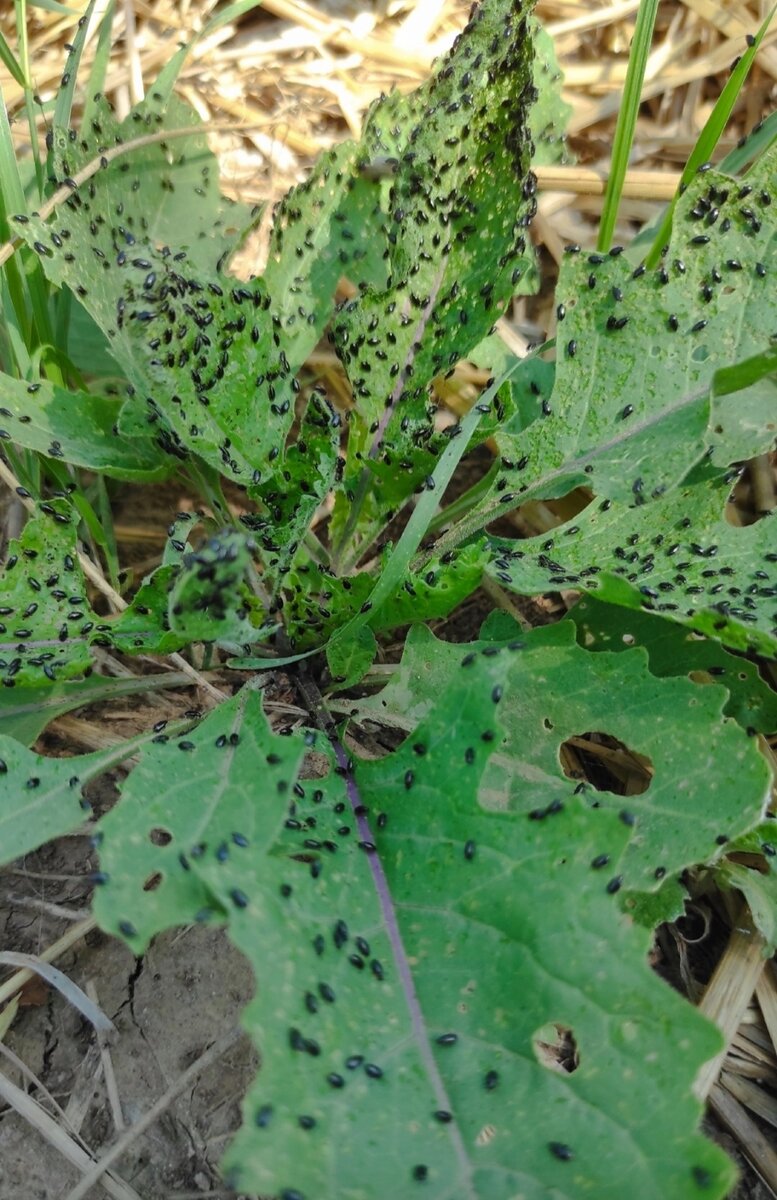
{"x": 405, "y": 975}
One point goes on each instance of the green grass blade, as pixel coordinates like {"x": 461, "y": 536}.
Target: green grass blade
{"x": 414, "y": 531}
{"x": 757, "y": 142}
{"x": 710, "y": 135}
{"x": 53, "y": 6}
{"x": 9, "y": 62}
{"x": 67, "y": 88}
{"x": 627, "y": 119}
{"x": 99, "y": 69}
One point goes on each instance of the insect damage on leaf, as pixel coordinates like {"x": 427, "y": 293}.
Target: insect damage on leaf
{"x": 634, "y": 416}
{"x": 395, "y": 910}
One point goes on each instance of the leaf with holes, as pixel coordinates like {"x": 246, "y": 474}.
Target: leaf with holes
{"x": 659, "y": 736}
{"x": 221, "y": 789}
{"x": 673, "y": 650}
{"x": 392, "y": 921}
{"x": 642, "y": 413}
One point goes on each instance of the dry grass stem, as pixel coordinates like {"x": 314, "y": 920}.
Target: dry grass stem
{"x": 729, "y": 992}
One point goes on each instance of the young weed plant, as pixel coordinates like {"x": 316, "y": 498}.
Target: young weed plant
{"x": 420, "y": 925}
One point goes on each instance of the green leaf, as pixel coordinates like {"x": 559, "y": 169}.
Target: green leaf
{"x": 88, "y": 348}
{"x": 712, "y": 131}
{"x": 202, "y": 394}
{"x": 395, "y": 570}
{"x": 316, "y": 238}
{"x": 200, "y": 788}
{"x": 144, "y": 627}
{"x": 759, "y": 889}
{"x": 292, "y": 494}
{"x": 351, "y": 658}
{"x": 25, "y": 712}
{"x": 42, "y": 798}
{"x": 460, "y": 199}
{"x": 47, "y": 625}
{"x": 45, "y": 618}
{"x": 210, "y": 600}
{"x": 550, "y": 113}
{"x": 81, "y": 429}
{"x": 67, "y": 83}
{"x": 637, "y": 416}
{"x": 466, "y": 921}
{"x": 560, "y": 691}
{"x": 673, "y": 650}
{"x": 319, "y": 603}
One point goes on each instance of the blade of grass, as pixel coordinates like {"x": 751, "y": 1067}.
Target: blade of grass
{"x": 710, "y": 135}
{"x": 9, "y": 62}
{"x": 53, "y": 6}
{"x": 105, "y": 517}
{"x": 20, "y": 7}
{"x": 627, "y": 120}
{"x": 64, "y": 104}
{"x": 168, "y": 75}
{"x": 12, "y": 200}
{"x": 422, "y": 515}
{"x": 752, "y": 147}
{"x": 99, "y": 69}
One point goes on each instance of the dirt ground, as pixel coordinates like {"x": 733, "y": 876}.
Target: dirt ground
{"x": 167, "y": 1007}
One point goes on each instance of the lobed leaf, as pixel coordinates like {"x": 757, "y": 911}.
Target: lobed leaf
{"x": 636, "y": 416}
{"x": 560, "y": 691}
{"x": 673, "y": 650}
{"x": 431, "y": 974}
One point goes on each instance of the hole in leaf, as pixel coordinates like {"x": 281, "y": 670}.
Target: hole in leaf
{"x": 152, "y": 883}
{"x": 754, "y": 495}
{"x": 556, "y": 1048}
{"x": 537, "y": 517}
{"x": 606, "y": 763}
{"x": 160, "y": 837}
